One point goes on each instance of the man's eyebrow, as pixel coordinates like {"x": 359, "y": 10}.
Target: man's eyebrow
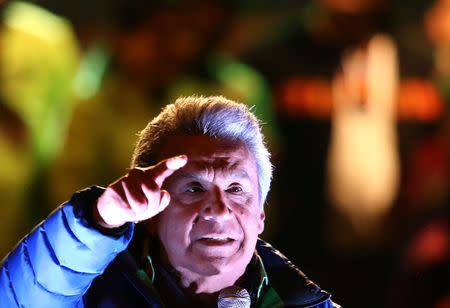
{"x": 240, "y": 174}
{"x": 188, "y": 175}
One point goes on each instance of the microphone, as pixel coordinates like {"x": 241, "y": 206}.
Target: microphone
{"x": 234, "y": 297}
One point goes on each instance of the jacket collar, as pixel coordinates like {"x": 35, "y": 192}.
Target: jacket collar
{"x": 280, "y": 279}
{"x": 291, "y": 284}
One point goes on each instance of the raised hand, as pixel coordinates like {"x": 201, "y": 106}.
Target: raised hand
{"x": 363, "y": 163}
{"x": 138, "y": 195}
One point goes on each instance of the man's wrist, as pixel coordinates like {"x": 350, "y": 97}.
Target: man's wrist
{"x": 85, "y": 202}
{"x": 99, "y": 221}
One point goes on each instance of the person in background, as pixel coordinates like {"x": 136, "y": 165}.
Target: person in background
{"x": 189, "y": 210}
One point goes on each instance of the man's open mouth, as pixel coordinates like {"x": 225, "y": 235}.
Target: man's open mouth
{"x": 216, "y": 240}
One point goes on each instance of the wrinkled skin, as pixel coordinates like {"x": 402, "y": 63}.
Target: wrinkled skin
{"x": 210, "y": 228}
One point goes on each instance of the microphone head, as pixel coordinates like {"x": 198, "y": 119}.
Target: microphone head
{"x": 234, "y": 297}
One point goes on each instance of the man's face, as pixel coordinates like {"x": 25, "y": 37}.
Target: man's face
{"x": 213, "y": 220}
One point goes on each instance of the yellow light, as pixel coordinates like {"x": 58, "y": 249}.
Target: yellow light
{"x": 34, "y": 20}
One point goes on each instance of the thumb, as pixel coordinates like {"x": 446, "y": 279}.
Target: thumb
{"x": 382, "y": 75}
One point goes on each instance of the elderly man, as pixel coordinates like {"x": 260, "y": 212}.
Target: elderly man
{"x": 199, "y": 179}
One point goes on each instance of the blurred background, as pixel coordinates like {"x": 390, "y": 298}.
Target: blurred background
{"x": 354, "y": 96}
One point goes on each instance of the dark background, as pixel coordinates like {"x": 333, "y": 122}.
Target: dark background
{"x": 79, "y": 79}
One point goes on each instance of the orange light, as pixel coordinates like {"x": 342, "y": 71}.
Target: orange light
{"x": 418, "y": 99}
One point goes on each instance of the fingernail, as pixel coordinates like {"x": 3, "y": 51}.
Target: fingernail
{"x": 177, "y": 162}
{"x": 165, "y": 199}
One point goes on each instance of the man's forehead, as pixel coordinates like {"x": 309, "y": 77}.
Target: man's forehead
{"x": 205, "y": 147}
{"x": 206, "y": 160}
{"x": 208, "y": 157}
{"x": 234, "y": 165}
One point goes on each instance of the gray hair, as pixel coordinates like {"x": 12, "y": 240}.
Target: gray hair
{"x": 213, "y": 116}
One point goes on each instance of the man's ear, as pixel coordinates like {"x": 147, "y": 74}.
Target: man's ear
{"x": 262, "y": 217}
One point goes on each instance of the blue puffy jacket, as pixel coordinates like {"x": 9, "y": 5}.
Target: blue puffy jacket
{"x": 65, "y": 262}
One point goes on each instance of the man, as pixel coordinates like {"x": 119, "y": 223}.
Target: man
{"x": 199, "y": 179}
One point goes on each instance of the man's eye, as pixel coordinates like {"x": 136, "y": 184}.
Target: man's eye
{"x": 195, "y": 189}
{"x": 234, "y": 189}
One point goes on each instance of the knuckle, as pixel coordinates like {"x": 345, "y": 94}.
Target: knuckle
{"x": 137, "y": 210}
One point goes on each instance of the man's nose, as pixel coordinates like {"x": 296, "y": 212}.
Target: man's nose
{"x": 217, "y": 207}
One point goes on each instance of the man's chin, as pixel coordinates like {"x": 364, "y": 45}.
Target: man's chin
{"x": 211, "y": 267}
{"x": 216, "y": 264}
{"x": 213, "y": 264}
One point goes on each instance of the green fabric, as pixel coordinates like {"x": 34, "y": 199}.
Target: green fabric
{"x": 271, "y": 299}
{"x": 267, "y": 296}
{"x": 148, "y": 282}
{"x": 264, "y": 280}
{"x": 144, "y": 277}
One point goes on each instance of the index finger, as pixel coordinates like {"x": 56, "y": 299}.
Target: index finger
{"x": 382, "y": 74}
{"x": 165, "y": 168}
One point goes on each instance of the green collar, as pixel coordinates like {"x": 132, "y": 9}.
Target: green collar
{"x": 262, "y": 276}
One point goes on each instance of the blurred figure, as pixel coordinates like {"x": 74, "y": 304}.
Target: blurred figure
{"x": 301, "y": 75}
{"x": 363, "y": 163}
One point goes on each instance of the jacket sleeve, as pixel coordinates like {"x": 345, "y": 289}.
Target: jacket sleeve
{"x": 56, "y": 263}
